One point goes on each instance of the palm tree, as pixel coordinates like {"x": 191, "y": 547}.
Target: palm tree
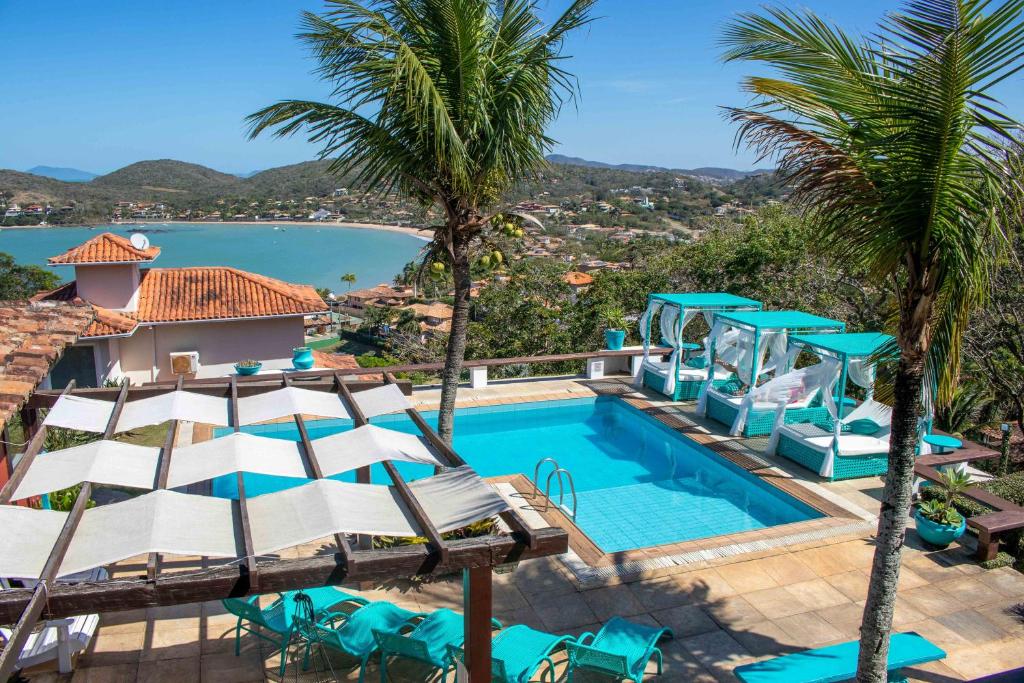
{"x": 895, "y": 145}
{"x": 349, "y": 279}
{"x": 444, "y": 101}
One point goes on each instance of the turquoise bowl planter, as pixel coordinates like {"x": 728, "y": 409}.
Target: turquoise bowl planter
{"x": 248, "y": 369}
{"x": 614, "y": 339}
{"x": 302, "y": 357}
{"x": 938, "y": 534}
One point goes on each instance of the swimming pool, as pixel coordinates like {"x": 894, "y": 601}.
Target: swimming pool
{"x": 638, "y": 482}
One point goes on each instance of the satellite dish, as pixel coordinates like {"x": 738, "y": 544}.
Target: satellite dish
{"x": 140, "y": 241}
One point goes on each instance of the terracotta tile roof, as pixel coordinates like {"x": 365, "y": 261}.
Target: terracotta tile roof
{"x": 334, "y": 361}
{"x": 105, "y": 248}
{"x": 211, "y": 293}
{"x": 577, "y": 279}
{"x": 106, "y": 322}
{"x": 433, "y": 310}
{"x": 381, "y": 291}
{"x": 33, "y": 336}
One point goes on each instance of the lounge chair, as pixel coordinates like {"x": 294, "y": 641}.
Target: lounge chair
{"x": 279, "y": 618}
{"x": 355, "y": 634}
{"x": 857, "y": 453}
{"x": 427, "y": 643}
{"x": 517, "y": 652}
{"x": 621, "y": 648}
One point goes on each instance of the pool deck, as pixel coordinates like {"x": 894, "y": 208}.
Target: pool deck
{"x": 726, "y": 609}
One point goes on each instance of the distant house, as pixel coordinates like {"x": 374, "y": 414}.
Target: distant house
{"x": 577, "y": 281}
{"x": 319, "y": 215}
{"x": 13, "y": 211}
{"x": 434, "y": 318}
{"x": 153, "y": 324}
{"x": 381, "y": 295}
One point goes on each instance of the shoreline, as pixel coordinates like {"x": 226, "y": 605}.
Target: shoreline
{"x": 424, "y": 234}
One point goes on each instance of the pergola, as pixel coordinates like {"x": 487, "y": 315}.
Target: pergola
{"x": 242, "y": 536}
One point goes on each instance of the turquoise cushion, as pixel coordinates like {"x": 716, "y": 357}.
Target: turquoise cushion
{"x": 731, "y": 386}
{"x": 864, "y": 427}
{"x": 697, "y": 363}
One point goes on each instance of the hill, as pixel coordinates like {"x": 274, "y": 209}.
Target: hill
{"x": 168, "y": 175}
{"x": 68, "y": 175}
{"x": 714, "y": 172}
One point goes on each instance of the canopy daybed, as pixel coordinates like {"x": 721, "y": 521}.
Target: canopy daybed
{"x": 759, "y": 342}
{"x": 838, "y": 446}
{"x": 674, "y": 377}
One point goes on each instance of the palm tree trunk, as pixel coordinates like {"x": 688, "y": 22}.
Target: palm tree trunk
{"x": 456, "y": 350}
{"x": 892, "y": 520}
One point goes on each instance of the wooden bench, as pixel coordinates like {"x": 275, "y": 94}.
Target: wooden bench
{"x": 992, "y": 527}
{"x": 1007, "y": 517}
{"x": 839, "y": 662}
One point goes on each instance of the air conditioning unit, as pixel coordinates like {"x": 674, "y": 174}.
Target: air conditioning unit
{"x": 185, "y": 363}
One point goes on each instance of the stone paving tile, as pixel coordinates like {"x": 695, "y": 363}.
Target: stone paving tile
{"x": 114, "y": 648}
{"x": 845, "y": 618}
{"x": 686, "y": 620}
{"x": 169, "y": 670}
{"x": 971, "y": 626}
{"x": 765, "y": 638}
{"x": 661, "y": 593}
{"x": 567, "y": 612}
{"x": 613, "y": 601}
{"x": 824, "y": 561}
{"x": 114, "y": 673}
{"x": 818, "y": 593}
{"x": 227, "y": 668}
{"x": 707, "y": 585}
{"x": 734, "y": 612}
{"x": 777, "y": 602}
{"x": 681, "y": 666}
{"x": 809, "y": 629}
{"x": 1009, "y": 618}
{"x": 1005, "y": 580}
{"x": 852, "y": 584}
{"x": 940, "y": 634}
{"x": 984, "y": 659}
{"x": 745, "y": 577}
{"x": 717, "y": 652}
{"x": 968, "y": 591}
{"x": 786, "y": 569}
{"x": 931, "y": 600}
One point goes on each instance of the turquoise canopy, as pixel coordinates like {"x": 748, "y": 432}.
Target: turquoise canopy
{"x": 848, "y": 344}
{"x": 706, "y": 300}
{"x": 762, "y": 321}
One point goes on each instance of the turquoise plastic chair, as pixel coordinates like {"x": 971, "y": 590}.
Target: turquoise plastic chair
{"x": 621, "y": 648}
{"x": 279, "y": 618}
{"x": 353, "y": 634}
{"x": 517, "y": 652}
{"x": 427, "y": 643}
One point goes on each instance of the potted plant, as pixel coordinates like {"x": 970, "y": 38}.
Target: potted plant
{"x": 248, "y": 366}
{"x": 615, "y": 327}
{"x": 302, "y": 357}
{"x": 938, "y": 522}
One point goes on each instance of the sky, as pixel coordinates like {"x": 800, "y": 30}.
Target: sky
{"x": 99, "y": 85}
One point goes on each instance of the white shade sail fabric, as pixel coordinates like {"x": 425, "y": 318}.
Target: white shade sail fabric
{"x": 26, "y": 538}
{"x": 100, "y": 462}
{"x": 174, "y": 405}
{"x": 157, "y": 522}
{"x": 381, "y": 400}
{"x": 456, "y": 498}
{"x": 325, "y": 507}
{"x": 370, "y": 444}
{"x": 290, "y": 401}
{"x": 77, "y": 412}
{"x": 237, "y": 452}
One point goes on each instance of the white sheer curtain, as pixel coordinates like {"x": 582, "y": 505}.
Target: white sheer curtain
{"x": 645, "y": 334}
{"x": 862, "y": 373}
{"x": 797, "y": 386}
{"x": 672, "y": 331}
{"x": 715, "y": 338}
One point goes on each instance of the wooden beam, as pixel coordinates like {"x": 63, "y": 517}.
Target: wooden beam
{"x": 153, "y": 561}
{"x": 362, "y": 473}
{"x": 32, "y": 448}
{"x": 315, "y": 472}
{"x": 222, "y": 581}
{"x": 115, "y": 414}
{"x": 40, "y": 594}
{"x": 511, "y": 517}
{"x": 404, "y": 492}
{"x": 251, "y": 567}
{"x": 477, "y": 593}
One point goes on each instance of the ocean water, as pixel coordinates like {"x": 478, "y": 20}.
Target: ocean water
{"x": 638, "y": 483}
{"x": 313, "y": 255}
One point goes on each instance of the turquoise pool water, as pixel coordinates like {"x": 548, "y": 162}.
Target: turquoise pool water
{"x": 638, "y": 482}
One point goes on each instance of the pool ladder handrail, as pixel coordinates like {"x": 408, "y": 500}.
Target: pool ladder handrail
{"x": 559, "y": 471}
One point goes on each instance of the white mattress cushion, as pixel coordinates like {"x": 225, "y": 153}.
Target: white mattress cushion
{"x": 849, "y": 444}
{"x": 686, "y": 374}
{"x": 736, "y": 400}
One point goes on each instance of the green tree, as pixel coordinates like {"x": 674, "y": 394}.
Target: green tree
{"x": 21, "y": 282}
{"x": 896, "y": 146}
{"x": 349, "y": 279}
{"x": 444, "y": 101}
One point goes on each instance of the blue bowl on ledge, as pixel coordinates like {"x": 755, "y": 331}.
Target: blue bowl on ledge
{"x": 248, "y": 369}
